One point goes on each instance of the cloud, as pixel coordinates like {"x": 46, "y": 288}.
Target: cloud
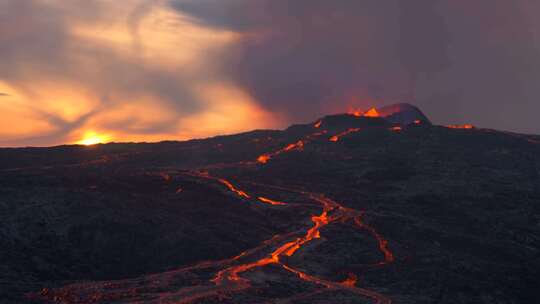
{"x": 71, "y": 65}
{"x": 299, "y": 57}
{"x": 175, "y": 69}
{"x": 461, "y": 61}
{"x": 46, "y": 45}
{"x": 4, "y": 94}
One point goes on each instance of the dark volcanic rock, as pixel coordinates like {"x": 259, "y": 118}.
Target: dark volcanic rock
{"x": 459, "y": 208}
{"x": 403, "y": 113}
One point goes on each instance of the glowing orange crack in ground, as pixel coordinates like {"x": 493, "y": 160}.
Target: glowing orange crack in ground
{"x": 227, "y": 276}
{"x": 228, "y": 280}
{"x": 289, "y": 248}
{"x": 233, "y": 188}
{"x": 383, "y": 243}
{"x": 271, "y": 202}
{"x": 337, "y": 137}
{"x": 298, "y": 146}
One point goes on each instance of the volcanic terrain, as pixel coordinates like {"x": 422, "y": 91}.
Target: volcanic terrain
{"x": 376, "y": 207}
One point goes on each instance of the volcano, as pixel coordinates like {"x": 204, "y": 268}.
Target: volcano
{"x": 385, "y": 208}
{"x": 403, "y": 113}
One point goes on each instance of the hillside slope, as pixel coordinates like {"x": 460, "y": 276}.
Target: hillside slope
{"x": 348, "y": 209}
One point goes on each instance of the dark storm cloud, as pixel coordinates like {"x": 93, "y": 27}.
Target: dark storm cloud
{"x": 474, "y": 61}
{"x": 298, "y": 56}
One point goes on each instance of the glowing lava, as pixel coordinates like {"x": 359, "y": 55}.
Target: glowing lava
{"x": 227, "y": 276}
{"x": 337, "y": 137}
{"x": 383, "y": 243}
{"x": 466, "y": 126}
{"x": 233, "y": 188}
{"x": 288, "y": 249}
{"x": 359, "y": 113}
{"x": 228, "y": 279}
{"x": 372, "y": 113}
{"x": 356, "y": 113}
{"x": 271, "y": 202}
{"x": 299, "y": 145}
{"x": 263, "y": 159}
{"x": 350, "y": 281}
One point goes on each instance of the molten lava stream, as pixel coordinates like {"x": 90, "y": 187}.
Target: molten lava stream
{"x": 350, "y": 281}
{"x": 228, "y": 279}
{"x": 237, "y": 191}
{"x": 288, "y": 249}
{"x": 271, "y": 202}
{"x": 233, "y": 188}
{"x": 299, "y": 145}
{"x": 383, "y": 243}
{"x": 466, "y": 126}
{"x": 337, "y": 137}
{"x": 232, "y": 274}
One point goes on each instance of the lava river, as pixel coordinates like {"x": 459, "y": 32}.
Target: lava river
{"x": 229, "y": 275}
{"x": 230, "y": 280}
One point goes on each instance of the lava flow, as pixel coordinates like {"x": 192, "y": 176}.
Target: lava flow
{"x": 231, "y": 275}
{"x": 233, "y": 188}
{"x": 337, "y": 137}
{"x": 228, "y": 274}
{"x": 466, "y": 126}
{"x": 299, "y": 145}
{"x": 228, "y": 278}
{"x": 383, "y": 244}
{"x": 271, "y": 202}
{"x": 351, "y": 280}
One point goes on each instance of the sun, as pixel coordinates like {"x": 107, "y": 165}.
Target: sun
{"x": 93, "y": 138}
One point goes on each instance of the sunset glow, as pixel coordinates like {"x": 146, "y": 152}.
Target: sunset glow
{"x": 92, "y": 138}
{"x": 145, "y": 80}
{"x": 154, "y": 70}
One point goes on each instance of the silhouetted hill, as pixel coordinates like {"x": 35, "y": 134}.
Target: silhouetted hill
{"x": 399, "y": 210}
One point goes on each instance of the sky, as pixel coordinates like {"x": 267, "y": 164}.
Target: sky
{"x": 84, "y": 71}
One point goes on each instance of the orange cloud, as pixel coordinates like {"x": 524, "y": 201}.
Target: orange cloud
{"x": 149, "y": 79}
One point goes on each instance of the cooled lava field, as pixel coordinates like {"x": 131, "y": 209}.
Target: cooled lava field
{"x": 383, "y": 207}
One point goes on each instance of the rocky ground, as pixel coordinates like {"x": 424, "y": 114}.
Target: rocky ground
{"x": 121, "y": 223}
